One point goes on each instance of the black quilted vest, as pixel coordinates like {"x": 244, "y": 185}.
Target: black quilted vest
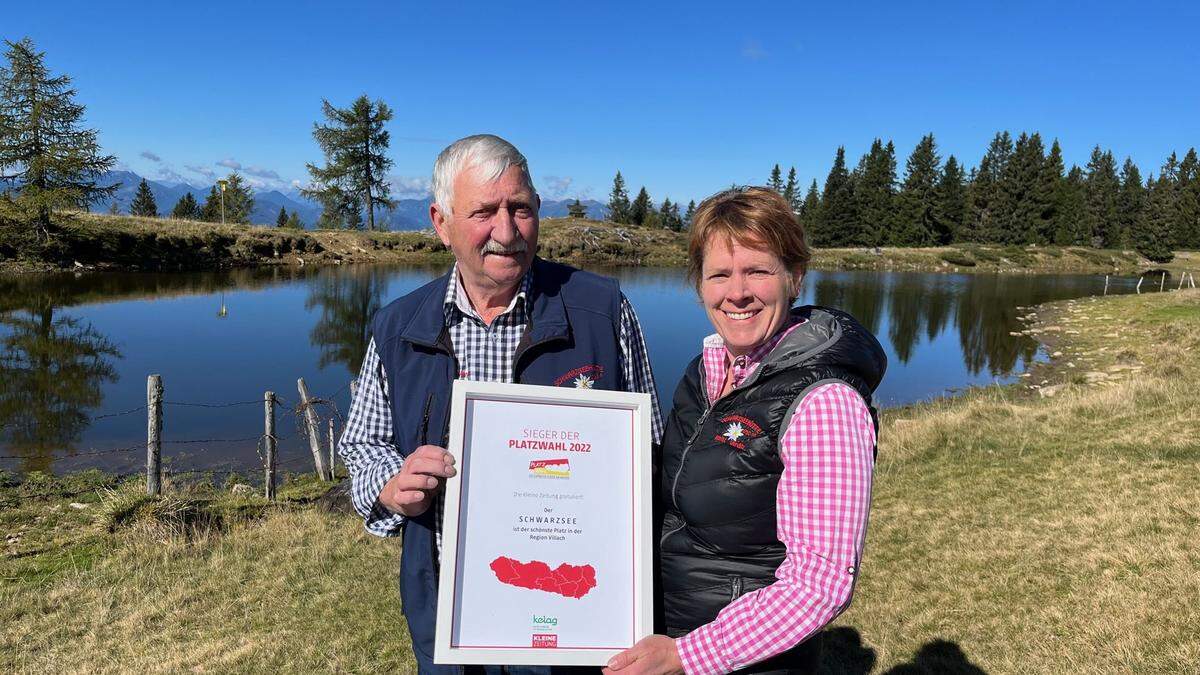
{"x": 721, "y": 465}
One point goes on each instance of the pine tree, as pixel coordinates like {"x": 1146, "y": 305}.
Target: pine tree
{"x": 640, "y": 207}
{"x": 281, "y": 219}
{"x": 1152, "y": 231}
{"x": 50, "y": 161}
{"x": 577, "y": 209}
{"x": 211, "y": 211}
{"x": 186, "y": 208}
{"x": 810, "y": 210}
{"x": 1019, "y": 219}
{"x": 791, "y": 191}
{"x": 1131, "y": 201}
{"x": 689, "y": 215}
{"x": 114, "y": 209}
{"x": 951, "y": 206}
{"x": 293, "y": 222}
{"x": 618, "y": 201}
{"x": 1048, "y": 196}
{"x": 1100, "y": 203}
{"x": 1186, "y": 233}
{"x": 835, "y": 223}
{"x": 143, "y": 202}
{"x": 355, "y": 145}
{"x": 874, "y": 197}
{"x": 1070, "y": 223}
{"x": 986, "y": 200}
{"x": 776, "y": 180}
{"x": 917, "y": 221}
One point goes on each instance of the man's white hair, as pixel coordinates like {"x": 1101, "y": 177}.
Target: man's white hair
{"x": 489, "y": 155}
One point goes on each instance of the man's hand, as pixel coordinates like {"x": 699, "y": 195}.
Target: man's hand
{"x": 652, "y": 655}
{"x": 411, "y": 491}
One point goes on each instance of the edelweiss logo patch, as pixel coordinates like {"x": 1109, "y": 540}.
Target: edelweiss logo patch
{"x": 738, "y": 430}
{"x": 583, "y": 377}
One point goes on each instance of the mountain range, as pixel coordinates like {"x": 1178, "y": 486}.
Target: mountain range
{"x": 408, "y": 214}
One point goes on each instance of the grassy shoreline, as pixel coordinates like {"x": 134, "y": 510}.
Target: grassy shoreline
{"x": 1044, "y": 526}
{"x": 103, "y": 242}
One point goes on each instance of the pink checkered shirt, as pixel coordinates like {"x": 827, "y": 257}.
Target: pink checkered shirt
{"x": 822, "y": 502}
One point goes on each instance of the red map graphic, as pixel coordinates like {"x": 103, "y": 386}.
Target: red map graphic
{"x": 573, "y": 581}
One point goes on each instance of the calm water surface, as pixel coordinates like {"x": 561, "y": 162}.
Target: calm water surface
{"x": 76, "y": 349}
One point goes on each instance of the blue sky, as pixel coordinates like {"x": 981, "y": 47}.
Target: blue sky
{"x": 684, "y": 98}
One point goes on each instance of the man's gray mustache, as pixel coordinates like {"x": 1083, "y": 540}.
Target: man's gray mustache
{"x": 494, "y": 246}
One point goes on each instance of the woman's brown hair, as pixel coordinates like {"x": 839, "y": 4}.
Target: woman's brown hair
{"x": 755, "y": 217}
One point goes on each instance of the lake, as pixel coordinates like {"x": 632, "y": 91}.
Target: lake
{"x": 77, "y": 349}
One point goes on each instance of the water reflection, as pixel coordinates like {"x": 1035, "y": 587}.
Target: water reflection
{"x": 347, "y": 300}
{"x": 52, "y": 373}
{"x": 79, "y": 346}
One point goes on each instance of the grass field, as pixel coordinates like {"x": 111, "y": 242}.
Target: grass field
{"x": 1047, "y": 526}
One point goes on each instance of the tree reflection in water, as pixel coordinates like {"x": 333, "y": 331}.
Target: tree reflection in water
{"x": 52, "y": 372}
{"x": 348, "y": 299}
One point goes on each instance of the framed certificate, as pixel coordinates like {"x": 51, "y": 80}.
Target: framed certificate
{"x": 546, "y": 540}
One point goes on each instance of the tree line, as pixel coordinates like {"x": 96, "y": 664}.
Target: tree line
{"x": 1019, "y": 194}
{"x": 642, "y": 211}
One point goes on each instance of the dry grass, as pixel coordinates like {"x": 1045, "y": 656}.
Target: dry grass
{"x": 1010, "y": 533}
{"x": 1016, "y": 533}
{"x": 293, "y": 591}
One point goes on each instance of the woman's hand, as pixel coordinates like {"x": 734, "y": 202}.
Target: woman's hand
{"x": 652, "y": 655}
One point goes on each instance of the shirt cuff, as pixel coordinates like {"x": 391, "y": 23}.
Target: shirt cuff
{"x": 380, "y": 521}
{"x": 700, "y": 651}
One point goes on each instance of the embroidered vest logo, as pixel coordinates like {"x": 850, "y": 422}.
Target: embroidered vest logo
{"x": 582, "y": 377}
{"x": 738, "y": 429}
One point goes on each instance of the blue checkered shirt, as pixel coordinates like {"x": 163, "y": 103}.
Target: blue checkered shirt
{"x": 485, "y": 353}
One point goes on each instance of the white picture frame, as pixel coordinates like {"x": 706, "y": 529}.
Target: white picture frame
{"x": 489, "y": 423}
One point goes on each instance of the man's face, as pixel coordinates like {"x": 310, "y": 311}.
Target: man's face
{"x": 493, "y": 228}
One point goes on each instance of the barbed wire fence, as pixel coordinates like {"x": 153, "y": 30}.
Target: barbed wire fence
{"x": 312, "y": 415}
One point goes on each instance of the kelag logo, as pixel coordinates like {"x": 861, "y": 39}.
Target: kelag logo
{"x": 545, "y": 622}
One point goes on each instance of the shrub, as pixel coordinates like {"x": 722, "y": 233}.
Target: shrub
{"x": 958, "y": 258}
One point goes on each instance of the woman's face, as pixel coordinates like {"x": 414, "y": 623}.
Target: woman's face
{"x": 746, "y": 292}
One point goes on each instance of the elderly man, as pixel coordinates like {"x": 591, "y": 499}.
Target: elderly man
{"x": 501, "y": 314}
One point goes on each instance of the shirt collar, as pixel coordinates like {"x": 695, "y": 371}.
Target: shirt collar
{"x": 457, "y": 299}
{"x": 715, "y": 352}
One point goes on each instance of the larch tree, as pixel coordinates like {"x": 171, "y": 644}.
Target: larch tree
{"x": 355, "y": 145}
{"x": 47, "y": 159}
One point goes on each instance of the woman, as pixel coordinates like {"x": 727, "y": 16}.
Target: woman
{"x": 767, "y": 456}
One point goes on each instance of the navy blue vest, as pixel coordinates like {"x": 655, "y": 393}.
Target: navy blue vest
{"x": 574, "y": 329}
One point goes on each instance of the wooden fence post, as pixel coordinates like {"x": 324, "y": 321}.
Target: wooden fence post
{"x": 1106, "y": 284}
{"x": 332, "y": 450}
{"x": 1162, "y": 282}
{"x": 154, "y": 420}
{"x": 269, "y": 442}
{"x": 1139, "y": 286}
{"x": 314, "y": 434}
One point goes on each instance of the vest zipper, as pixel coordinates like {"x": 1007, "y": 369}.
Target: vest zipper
{"x": 683, "y": 456}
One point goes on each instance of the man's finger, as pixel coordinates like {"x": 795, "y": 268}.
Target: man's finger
{"x": 433, "y": 452}
{"x": 431, "y": 467}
